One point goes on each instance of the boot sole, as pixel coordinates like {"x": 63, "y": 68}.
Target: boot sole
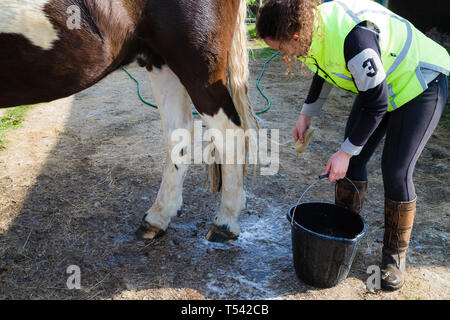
{"x": 388, "y": 287}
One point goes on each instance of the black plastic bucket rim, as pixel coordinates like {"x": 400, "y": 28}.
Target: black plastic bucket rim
{"x": 295, "y": 224}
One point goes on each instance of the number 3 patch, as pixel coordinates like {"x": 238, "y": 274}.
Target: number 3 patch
{"x": 367, "y": 69}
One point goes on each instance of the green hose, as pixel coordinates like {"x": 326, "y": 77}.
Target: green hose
{"x": 139, "y": 89}
{"x": 269, "y": 103}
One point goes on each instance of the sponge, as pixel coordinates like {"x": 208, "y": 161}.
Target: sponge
{"x": 300, "y": 147}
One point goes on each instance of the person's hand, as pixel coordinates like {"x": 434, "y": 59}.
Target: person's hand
{"x": 303, "y": 123}
{"x": 337, "y": 166}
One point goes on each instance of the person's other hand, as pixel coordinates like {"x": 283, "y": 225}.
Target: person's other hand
{"x": 337, "y": 166}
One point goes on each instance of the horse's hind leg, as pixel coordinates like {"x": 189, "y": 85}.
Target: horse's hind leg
{"x": 174, "y": 107}
{"x": 211, "y": 101}
{"x": 226, "y": 226}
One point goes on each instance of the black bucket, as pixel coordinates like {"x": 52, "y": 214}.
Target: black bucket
{"x": 325, "y": 238}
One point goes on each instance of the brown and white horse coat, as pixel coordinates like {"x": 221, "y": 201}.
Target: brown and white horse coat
{"x": 188, "y": 46}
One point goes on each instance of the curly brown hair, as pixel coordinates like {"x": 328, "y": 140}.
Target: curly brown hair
{"x": 280, "y": 19}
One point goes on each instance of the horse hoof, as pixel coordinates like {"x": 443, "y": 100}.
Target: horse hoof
{"x": 220, "y": 234}
{"x": 148, "y": 232}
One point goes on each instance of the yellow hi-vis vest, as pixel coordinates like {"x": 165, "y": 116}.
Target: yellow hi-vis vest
{"x": 404, "y": 49}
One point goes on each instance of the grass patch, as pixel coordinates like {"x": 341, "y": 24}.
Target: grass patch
{"x": 251, "y": 29}
{"x": 259, "y": 44}
{"x": 12, "y": 119}
{"x": 262, "y": 53}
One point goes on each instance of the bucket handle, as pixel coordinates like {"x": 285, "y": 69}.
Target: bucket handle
{"x": 323, "y": 176}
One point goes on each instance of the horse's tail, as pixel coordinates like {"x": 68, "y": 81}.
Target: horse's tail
{"x": 238, "y": 70}
{"x": 238, "y": 73}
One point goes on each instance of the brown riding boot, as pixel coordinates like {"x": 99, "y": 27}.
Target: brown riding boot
{"x": 347, "y": 196}
{"x": 399, "y": 219}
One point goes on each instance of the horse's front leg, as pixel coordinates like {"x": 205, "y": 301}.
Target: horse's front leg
{"x": 174, "y": 106}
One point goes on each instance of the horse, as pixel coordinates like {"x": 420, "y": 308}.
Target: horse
{"x": 194, "y": 50}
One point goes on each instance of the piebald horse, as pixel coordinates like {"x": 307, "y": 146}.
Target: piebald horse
{"x": 192, "y": 49}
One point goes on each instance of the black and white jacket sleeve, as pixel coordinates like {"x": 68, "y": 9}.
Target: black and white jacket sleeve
{"x": 363, "y": 58}
{"x": 318, "y": 94}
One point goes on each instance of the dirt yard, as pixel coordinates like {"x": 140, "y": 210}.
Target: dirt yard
{"x": 79, "y": 175}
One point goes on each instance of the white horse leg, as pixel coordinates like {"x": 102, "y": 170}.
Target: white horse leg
{"x": 226, "y": 226}
{"x": 174, "y": 107}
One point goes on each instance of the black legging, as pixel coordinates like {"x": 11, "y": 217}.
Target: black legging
{"x": 407, "y": 131}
